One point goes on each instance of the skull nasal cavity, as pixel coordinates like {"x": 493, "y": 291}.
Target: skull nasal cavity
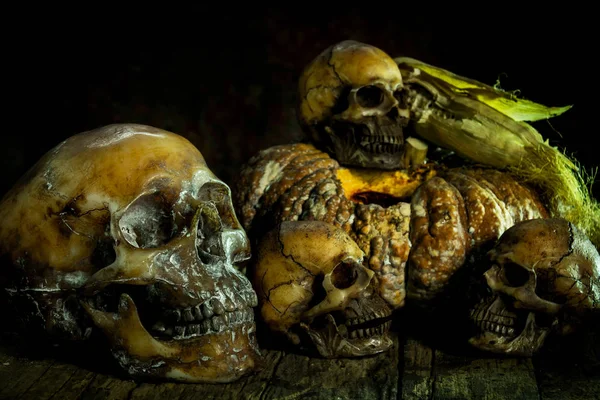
{"x": 344, "y": 275}
{"x": 515, "y": 275}
{"x": 369, "y": 96}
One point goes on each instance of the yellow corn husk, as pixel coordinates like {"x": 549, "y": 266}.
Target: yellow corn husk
{"x": 500, "y": 100}
{"x": 485, "y": 125}
{"x": 566, "y": 189}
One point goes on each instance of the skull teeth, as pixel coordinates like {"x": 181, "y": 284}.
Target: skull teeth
{"x": 216, "y": 324}
{"x": 382, "y": 143}
{"x": 357, "y": 321}
{"x": 499, "y": 329}
{"x": 210, "y": 308}
{"x": 207, "y": 311}
{"x": 364, "y": 327}
{"x": 215, "y": 315}
{"x": 492, "y": 316}
{"x": 368, "y": 332}
{"x": 188, "y": 315}
{"x": 385, "y": 139}
{"x": 379, "y": 148}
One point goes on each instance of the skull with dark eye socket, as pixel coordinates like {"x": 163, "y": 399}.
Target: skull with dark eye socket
{"x": 545, "y": 278}
{"x": 313, "y": 288}
{"x": 351, "y": 103}
{"x": 125, "y": 229}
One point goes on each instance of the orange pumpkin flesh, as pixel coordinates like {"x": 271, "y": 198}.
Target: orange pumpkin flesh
{"x": 367, "y": 186}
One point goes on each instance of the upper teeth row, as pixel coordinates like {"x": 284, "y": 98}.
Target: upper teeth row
{"x": 497, "y": 328}
{"x": 213, "y": 306}
{"x": 389, "y": 139}
{"x": 381, "y": 147}
{"x": 356, "y": 321}
{"x": 218, "y": 323}
{"x": 378, "y": 330}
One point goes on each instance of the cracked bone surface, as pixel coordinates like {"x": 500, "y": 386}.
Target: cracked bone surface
{"x": 350, "y": 107}
{"x": 126, "y": 230}
{"x": 544, "y": 278}
{"x": 310, "y": 282}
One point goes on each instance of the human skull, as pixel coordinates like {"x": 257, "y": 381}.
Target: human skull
{"x": 349, "y": 104}
{"x": 311, "y": 282}
{"x": 124, "y": 228}
{"x": 544, "y": 278}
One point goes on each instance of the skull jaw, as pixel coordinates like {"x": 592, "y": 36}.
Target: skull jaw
{"x": 214, "y": 358}
{"x": 527, "y": 343}
{"x": 365, "y": 145}
{"x": 334, "y": 341}
{"x": 233, "y": 354}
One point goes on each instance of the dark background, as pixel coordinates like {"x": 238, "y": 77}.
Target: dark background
{"x": 226, "y": 78}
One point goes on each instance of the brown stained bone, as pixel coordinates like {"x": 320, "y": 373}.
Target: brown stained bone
{"x": 545, "y": 278}
{"x": 349, "y": 105}
{"x": 309, "y": 276}
{"x": 347, "y": 63}
{"x": 125, "y": 230}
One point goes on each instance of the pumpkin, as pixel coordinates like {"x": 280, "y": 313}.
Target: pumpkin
{"x": 420, "y": 223}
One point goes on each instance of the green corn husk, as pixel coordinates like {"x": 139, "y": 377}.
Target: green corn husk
{"x": 565, "y": 188}
{"x": 486, "y": 125}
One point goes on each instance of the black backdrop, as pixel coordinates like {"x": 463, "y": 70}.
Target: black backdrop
{"x": 226, "y": 77}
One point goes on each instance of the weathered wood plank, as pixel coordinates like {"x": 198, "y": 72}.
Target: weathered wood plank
{"x": 151, "y": 391}
{"x": 298, "y": 376}
{"x": 569, "y": 368}
{"x": 50, "y": 382}
{"x": 104, "y": 387}
{"x": 255, "y": 385}
{"x": 417, "y": 371}
{"x": 18, "y": 374}
{"x": 74, "y": 387}
{"x": 250, "y": 387}
{"x": 464, "y": 377}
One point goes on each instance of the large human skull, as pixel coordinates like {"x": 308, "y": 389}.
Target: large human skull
{"x": 310, "y": 282}
{"x": 126, "y": 229}
{"x": 349, "y": 104}
{"x": 545, "y": 277}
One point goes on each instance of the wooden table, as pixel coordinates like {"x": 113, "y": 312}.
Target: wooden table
{"x": 411, "y": 369}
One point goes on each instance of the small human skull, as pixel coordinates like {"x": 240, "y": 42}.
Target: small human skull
{"x": 349, "y": 104}
{"x": 544, "y": 278}
{"x": 125, "y": 228}
{"x": 310, "y": 281}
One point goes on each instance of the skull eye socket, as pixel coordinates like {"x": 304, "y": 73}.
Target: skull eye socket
{"x": 369, "y": 96}
{"x": 515, "y": 275}
{"x": 218, "y": 194}
{"x": 344, "y": 275}
{"x": 401, "y": 97}
{"x": 147, "y": 222}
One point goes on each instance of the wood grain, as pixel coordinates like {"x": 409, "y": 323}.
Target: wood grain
{"x": 411, "y": 370}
